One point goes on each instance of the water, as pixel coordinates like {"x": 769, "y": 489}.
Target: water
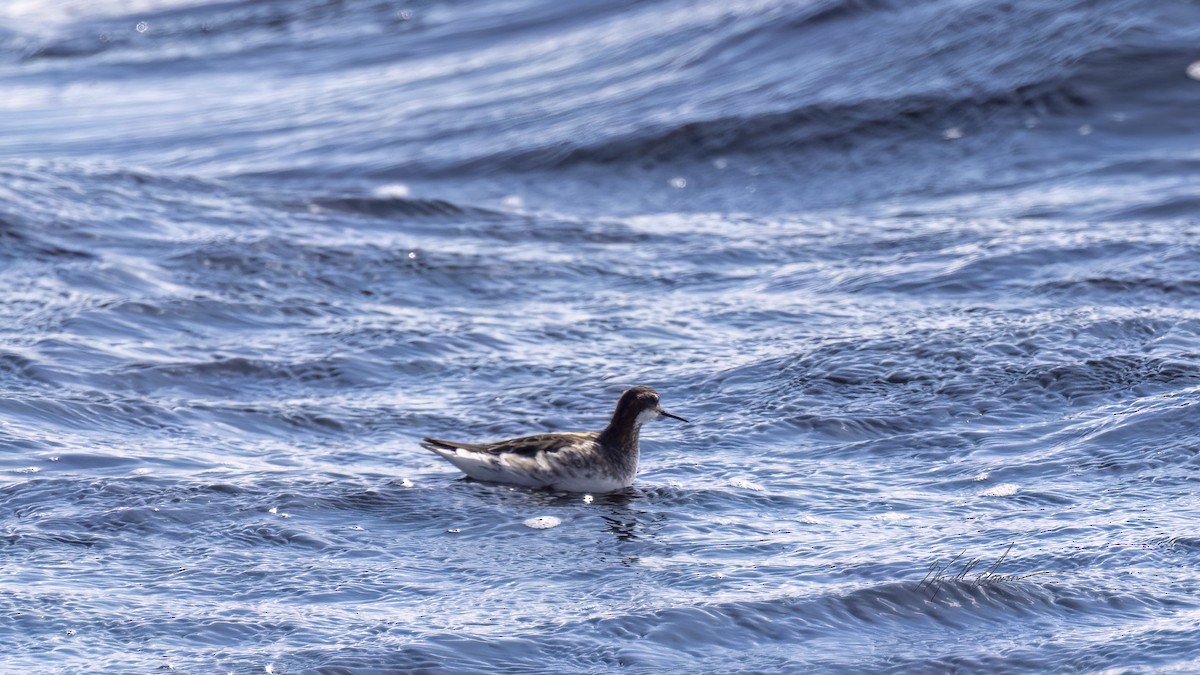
{"x": 924, "y": 276}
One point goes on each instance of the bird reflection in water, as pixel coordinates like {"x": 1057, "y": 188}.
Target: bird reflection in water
{"x": 625, "y": 527}
{"x": 629, "y": 525}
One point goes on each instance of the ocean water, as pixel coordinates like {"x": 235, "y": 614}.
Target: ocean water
{"x": 925, "y": 276}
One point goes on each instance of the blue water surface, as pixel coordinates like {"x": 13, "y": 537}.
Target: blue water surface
{"x": 925, "y": 276}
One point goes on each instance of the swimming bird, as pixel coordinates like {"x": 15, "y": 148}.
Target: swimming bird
{"x": 594, "y": 461}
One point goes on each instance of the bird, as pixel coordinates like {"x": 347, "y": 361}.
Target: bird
{"x": 592, "y": 462}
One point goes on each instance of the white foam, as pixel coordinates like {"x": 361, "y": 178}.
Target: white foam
{"x": 746, "y": 485}
{"x": 543, "y": 522}
{"x": 1001, "y": 490}
{"x": 393, "y": 191}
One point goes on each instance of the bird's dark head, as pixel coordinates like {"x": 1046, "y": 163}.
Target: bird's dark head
{"x": 642, "y": 404}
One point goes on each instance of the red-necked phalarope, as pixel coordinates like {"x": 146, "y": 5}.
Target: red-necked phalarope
{"x": 594, "y": 461}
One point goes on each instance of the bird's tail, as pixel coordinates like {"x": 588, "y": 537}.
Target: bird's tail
{"x": 437, "y": 445}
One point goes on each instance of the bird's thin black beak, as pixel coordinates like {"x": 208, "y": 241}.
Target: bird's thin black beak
{"x": 664, "y": 413}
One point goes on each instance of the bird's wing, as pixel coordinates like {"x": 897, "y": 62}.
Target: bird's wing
{"x": 528, "y": 446}
{"x": 524, "y": 461}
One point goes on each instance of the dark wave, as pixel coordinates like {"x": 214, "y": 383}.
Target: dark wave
{"x": 19, "y": 243}
{"x": 717, "y": 634}
{"x": 844, "y": 125}
{"x": 395, "y": 207}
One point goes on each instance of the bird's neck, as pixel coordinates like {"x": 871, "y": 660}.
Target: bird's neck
{"x": 621, "y": 433}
